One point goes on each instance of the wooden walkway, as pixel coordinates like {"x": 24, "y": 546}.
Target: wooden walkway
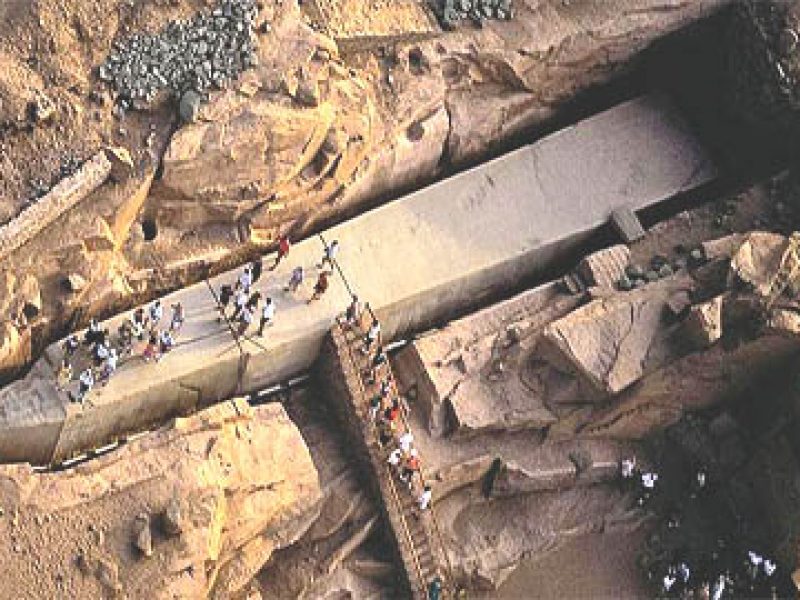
{"x": 416, "y": 533}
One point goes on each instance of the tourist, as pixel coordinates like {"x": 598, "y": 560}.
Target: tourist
{"x": 93, "y": 333}
{"x": 378, "y": 361}
{"x": 156, "y": 312}
{"x": 125, "y": 335}
{"x": 769, "y": 567}
{"x": 178, "y": 317}
{"x": 648, "y": 481}
{"x": 253, "y": 301}
{"x": 296, "y": 279}
{"x": 246, "y": 279}
{"x": 667, "y": 583}
{"x": 374, "y": 407}
{"x": 284, "y": 245}
{"x": 719, "y": 588}
{"x": 71, "y": 345}
{"x": 100, "y": 353}
{"x": 239, "y": 302}
{"x": 267, "y": 314}
{"x": 321, "y": 286}
{"x": 256, "y": 269}
{"x": 684, "y": 573}
{"x": 405, "y": 442}
{"x": 395, "y": 457}
{"x": 109, "y": 366}
{"x": 64, "y": 376}
{"x": 329, "y": 256}
{"x": 372, "y": 335}
{"x": 424, "y": 500}
{"x": 165, "y": 343}
{"x": 385, "y": 434}
{"x": 386, "y": 386}
{"x": 627, "y": 467}
{"x": 410, "y": 467}
{"x": 627, "y": 473}
{"x": 435, "y": 588}
{"x": 225, "y": 295}
{"x": 353, "y": 313}
{"x": 138, "y": 323}
{"x": 151, "y": 349}
{"x": 85, "y": 384}
{"x": 245, "y": 319}
{"x": 392, "y": 413}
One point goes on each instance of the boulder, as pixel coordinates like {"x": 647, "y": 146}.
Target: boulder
{"x": 247, "y": 487}
{"x": 142, "y": 536}
{"x": 189, "y": 106}
{"x": 172, "y": 518}
{"x": 75, "y": 282}
{"x": 757, "y": 259}
{"x": 605, "y": 267}
{"x": 703, "y": 325}
{"x": 611, "y": 342}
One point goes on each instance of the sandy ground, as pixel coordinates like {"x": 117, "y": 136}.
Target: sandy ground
{"x": 596, "y": 565}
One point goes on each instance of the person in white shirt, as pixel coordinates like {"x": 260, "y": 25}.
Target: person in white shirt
{"x": 239, "y": 302}
{"x": 627, "y": 467}
{"x": 684, "y": 572}
{"x": 395, "y": 457}
{"x": 424, "y": 500}
{"x": 109, "y": 366}
{"x": 331, "y": 251}
{"x": 668, "y": 582}
{"x": 86, "y": 383}
{"x": 755, "y": 561}
{"x": 246, "y": 280}
{"x": 719, "y": 588}
{"x": 100, "y": 353}
{"x": 156, "y": 312}
{"x": 372, "y": 335}
{"x": 405, "y": 441}
{"x": 769, "y": 567}
{"x": 245, "y": 319}
{"x": 267, "y": 314}
{"x": 648, "y": 480}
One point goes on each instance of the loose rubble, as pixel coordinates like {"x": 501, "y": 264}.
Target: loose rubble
{"x": 450, "y": 12}
{"x": 187, "y": 57}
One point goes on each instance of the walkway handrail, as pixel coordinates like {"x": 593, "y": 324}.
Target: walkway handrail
{"x": 435, "y": 521}
{"x": 395, "y": 496}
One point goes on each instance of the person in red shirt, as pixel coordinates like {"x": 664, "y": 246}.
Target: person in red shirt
{"x": 321, "y": 287}
{"x": 412, "y": 466}
{"x": 284, "y": 245}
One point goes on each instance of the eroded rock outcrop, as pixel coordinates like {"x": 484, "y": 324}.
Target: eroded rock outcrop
{"x": 244, "y": 483}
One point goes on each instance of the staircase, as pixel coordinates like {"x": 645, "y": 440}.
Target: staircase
{"x": 418, "y": 539}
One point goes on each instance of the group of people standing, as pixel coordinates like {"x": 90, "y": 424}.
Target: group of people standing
{"x": 386, "y": 411}
{"x": 725, "y": 572}
{"x": 245, "y": 302}
{"x": 147, "y": 325}
{"x": 98, "y": 355}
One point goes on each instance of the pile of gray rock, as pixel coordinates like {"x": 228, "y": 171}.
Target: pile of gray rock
{"x": 203, "y": 53}
{"x": 450, "y": 12}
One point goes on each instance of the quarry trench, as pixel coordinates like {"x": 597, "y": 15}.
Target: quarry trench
{"x": 499, "y": 196}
